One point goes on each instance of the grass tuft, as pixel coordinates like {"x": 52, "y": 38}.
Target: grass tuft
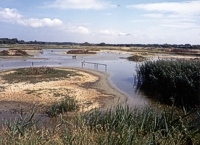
{"x": 67, "y": 104}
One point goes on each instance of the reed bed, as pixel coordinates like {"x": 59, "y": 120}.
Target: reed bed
{"x": 166, "y": 79}
{"x": 120, "y": 126}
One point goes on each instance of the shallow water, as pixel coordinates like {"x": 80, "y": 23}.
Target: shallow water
{"x": 121, "y": 70}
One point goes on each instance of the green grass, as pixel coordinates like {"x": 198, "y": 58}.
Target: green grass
{"x": 166, "y": 79}
{"x": 37, "y": 74}
{"x": 2, "y": 88}
{"x": 67, "y": 104}
{"x": 118, "y": 126}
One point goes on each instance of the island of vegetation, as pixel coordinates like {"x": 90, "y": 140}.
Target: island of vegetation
{"x": 137, "y": 58}
{"x": 13, "y": 53}
{"x": 80, "y": 51}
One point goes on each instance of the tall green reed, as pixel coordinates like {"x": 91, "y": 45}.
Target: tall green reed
{"x": 121, "y": 125}
{"x": 164, "y": 79}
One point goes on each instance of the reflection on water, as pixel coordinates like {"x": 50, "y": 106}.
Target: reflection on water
{"x": 121, "y": 70}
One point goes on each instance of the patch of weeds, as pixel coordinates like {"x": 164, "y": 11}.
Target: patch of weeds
{"x": 38, "y": 94}
{"x": 68, "y": 90}
{"x": 57, "y": 94}
{"x": 37, "y": 74}
{"x": 2, "y": 88}
{"x": 52, "y": 90}
{"x": 88, "y": 103}
{"x": 30, "y": 91}
{"x": 67, "y": 104}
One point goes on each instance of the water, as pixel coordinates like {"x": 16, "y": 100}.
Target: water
{"x": 121, "y": 70}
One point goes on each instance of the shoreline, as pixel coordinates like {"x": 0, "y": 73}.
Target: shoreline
{"x": 99, "y": 90}
{"x": 106, "y": 86}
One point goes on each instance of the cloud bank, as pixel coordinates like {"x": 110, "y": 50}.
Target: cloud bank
{"x": 80, "y": 4}
{"x": 172, "y": 14}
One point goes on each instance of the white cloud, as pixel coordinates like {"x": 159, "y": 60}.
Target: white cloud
{"x": 12, "y": 15}
{"x": 76, "y": 29}
{"x": 154, "y": 15}
{"x": 80, "y": 4}
{"x": 7, "y": 14}
{"x": 107, "y": 32}
{"x": 113, "y": 33}
{"x": 188, "y": 7}
{"x": 40, "y": 22}
{"x": 83, "y": 30}
{"x": 124, "y": 34}
{"x": 172, "y": 14}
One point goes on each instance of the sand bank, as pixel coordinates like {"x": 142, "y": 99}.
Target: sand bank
{"x": 91, "y": 89}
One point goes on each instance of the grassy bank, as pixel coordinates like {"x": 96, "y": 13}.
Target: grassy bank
{"x": 37, "y": 74}
{"x": 164, "y": 79}
{"x": 120, "y": 126}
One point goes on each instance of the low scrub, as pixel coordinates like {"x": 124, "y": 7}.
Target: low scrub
{"x": 166, "y": 79}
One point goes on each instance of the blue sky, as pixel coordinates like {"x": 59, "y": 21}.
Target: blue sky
{"x": 96, "y": 21}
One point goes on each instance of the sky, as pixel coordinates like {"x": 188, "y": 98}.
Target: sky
{"x": 97, "y": 21}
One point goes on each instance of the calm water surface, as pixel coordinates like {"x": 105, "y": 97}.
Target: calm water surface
{"x": 121, "y": 70}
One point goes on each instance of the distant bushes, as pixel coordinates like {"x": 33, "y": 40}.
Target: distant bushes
{"x": 81, "y": 51}
{"x": 137, "y": 58}
{"x": 13, "y": 53}
{"x": 163, "y": 79}
{"x": 179, "y": 50}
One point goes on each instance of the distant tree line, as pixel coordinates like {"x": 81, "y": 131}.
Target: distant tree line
{"x": 16, "y": 41}
{"x": 11, "y": 41}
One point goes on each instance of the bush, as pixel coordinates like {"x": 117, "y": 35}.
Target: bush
{"x": 137, "y": 58}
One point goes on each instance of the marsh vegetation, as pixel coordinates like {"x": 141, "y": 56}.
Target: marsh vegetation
{"x": 166, "y": 79}
{"x": 121, "y": 125}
